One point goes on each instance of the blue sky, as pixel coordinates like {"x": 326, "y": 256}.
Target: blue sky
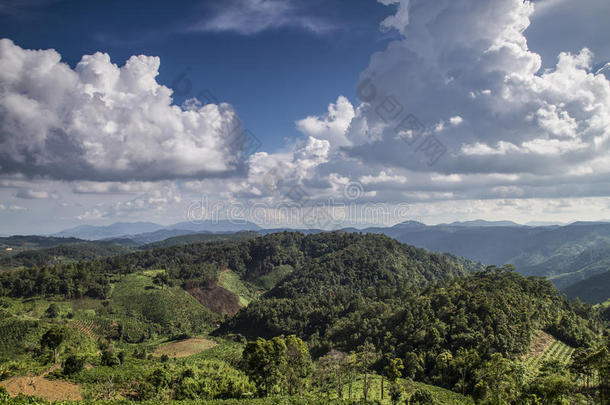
{"x": 272, "y": 77}
{"x": 492, "y": 109}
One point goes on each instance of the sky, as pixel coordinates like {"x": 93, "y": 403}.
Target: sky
{"x": 303, "y": 114}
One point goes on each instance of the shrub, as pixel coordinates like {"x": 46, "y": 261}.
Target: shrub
{"x": 109, "y": 358}
{"x": 73, "y": 364}
{"x": 422, "y": 397}
{"x": 52, "y": 311}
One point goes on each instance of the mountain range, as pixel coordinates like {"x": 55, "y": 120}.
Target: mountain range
{"x": 148, "y": 232}
{"x": 566, "y": 254}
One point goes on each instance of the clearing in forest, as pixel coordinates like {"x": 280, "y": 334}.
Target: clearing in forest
{"x": 42, "y": 388}
{"x": 546, "y": 347}
{"x": 185, "y": 348}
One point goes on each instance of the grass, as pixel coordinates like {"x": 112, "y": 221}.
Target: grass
{"x": 242, "y": 289}
{"x": 184, "y": 348}
{"x": 269, "y": 280}
{"x": 441, "y": 395}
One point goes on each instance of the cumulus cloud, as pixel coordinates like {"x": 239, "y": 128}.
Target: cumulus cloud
{"x": 100, "y": 121}
{"x": 331, "y": 126}
{"x": 463, "y": 76}
{"x": 464, "y": 71}
{"x": 248, "y": 17}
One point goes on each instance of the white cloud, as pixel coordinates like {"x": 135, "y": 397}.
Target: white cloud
{"x": 457, "y": 120}
{"x": 91, "y": 215}
{"x": 331, "y": 126}
{"x": 105, "y": 187}
{"x": 464, "y": 70}
{"x": 383, "y": 177}
{"x": 248, "y": 17}
{"x": 102, "y": 122}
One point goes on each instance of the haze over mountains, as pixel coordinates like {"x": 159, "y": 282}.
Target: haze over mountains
{"x": 566, "y": 254}
{"x": 154, "y": 232}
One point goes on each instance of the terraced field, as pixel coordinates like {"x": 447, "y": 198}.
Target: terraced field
{"x": 546, "y": 347}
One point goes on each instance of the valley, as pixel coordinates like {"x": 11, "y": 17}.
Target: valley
{"x": 355, "y": 303}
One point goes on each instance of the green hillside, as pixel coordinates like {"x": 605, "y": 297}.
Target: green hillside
{"x": 333, "y": 316}
{"x": 64, "y": 253}
{"x": 199, "y": 238}
{"x": 594, "y": 290}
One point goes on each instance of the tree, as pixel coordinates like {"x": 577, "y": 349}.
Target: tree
{"x": 422, "y": 397}
{"x": 73, "y": 364}
{"x": 52, "y": 339}
{"x": 396, "y": 391}
{"x": 463, "y": 362}
{"x": 161, "y": 279}
{"x": 413, "y": 365}
{"x": 366, "y": 356}
{"x": 109, "y": 358}
{"x": 580, "y": 365}
{"x": 499, "y": 380}
{"x": 334, "y": 369}
{"x": 52, "y": 311}
{"x": 552, "y": 388}
{"x": 392, "y": 369}
{"x": 298, "y": 364}
{"x": 264, "y": 362}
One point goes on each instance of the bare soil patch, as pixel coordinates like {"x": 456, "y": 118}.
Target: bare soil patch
{"x": 51, "y": 390}
{"x": 217, "y": 299}
{"x": 540, "y": 342}
{"x": 185, "y": 348}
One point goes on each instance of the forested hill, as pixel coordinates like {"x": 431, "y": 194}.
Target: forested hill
{"x": 443, "y": 332}
{"x": 356, "y": 302}
{"x": 349, "y": 260}
{"x": 596, "y": 289}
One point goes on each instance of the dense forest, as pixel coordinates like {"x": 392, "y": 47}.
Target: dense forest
{"x": 324, "y": 317}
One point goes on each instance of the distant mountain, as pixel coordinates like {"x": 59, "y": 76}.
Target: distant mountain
{"x": 34, "y": 241}
{"x": 148, "y": 232}
{"x": 565, "y": 254}
{"x": 594, "y": 290}
{"x": 409, "y": 224}
{"x": 216, "y": 226}
{"x": 156, "y": 236}
{"x": 545, "y": 223}
{"x": 199, "y": 238}
{"x": 483, "y": 223}
{"x": 115, "y": 230}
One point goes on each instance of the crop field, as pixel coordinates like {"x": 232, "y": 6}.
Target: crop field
{"x": 545, "y": 347}
{"x": 185, "y": 348}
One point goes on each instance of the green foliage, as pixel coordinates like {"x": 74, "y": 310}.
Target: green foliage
{"x": 421, "y": 397}
{"x": 373, "y": 309}
{"x": 593, "y": 290}
{"x": 277, "y": 365}
{"x": 73, "y": 364}
{"x": 52, "y": 339}
{"x": 64, "y": 253}
{"x": 109, "y": 358}
{"x": 52, "y": 311}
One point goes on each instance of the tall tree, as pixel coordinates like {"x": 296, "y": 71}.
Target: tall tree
{"x": 298, "y": 364}
{"x": 53, "y": 338}
{"x": 366, "y": 356}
